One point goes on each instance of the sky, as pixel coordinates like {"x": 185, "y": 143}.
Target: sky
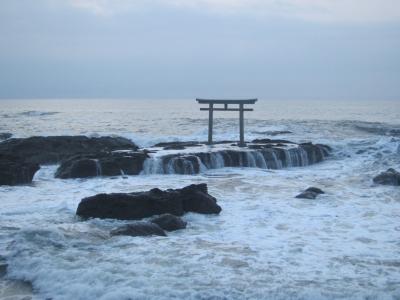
{"x": 270, "y": 49}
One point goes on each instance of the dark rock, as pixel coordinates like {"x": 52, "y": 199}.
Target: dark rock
{"x": 307, "y": 195}
{"x": 5, "y": 135}
{"x": 139, "y": 229}
{"x": 177, "y": 145}
{"x": 389, "y": 177}
{"x": 273, "y": 133}
{"x": 139, "y": 205}
{"x": 169, "y": 222}
{"x": 271, "y": 141}
{"x": 15, "y": 170}
{"x": 102, "y": 164}
{"x": 315, "y": 190}
{"x": 52, "y": 149}
{"x": 196, "y": 199}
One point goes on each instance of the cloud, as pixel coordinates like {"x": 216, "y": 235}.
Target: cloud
{"x": 312, "y": 10}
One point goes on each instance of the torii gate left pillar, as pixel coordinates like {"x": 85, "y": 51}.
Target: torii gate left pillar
{"x": 226, "y": 102}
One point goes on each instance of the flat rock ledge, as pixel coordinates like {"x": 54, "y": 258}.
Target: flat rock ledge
{"x": 53, "y": 149}
{"x": 192, "y": 158}
{"x": 139, "y": 205}
{"x": 389, "y": 177}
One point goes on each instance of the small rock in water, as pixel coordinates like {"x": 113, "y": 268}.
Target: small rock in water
{"x": 169, "y": 222}
{"x": 139, "y": 229}
{"x": 389, "y": 177}
{"x": 310, "y": 193}
{"x": 315, "y": 190}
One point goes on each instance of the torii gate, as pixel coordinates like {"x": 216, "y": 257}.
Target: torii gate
{"x": 226, "y": 102}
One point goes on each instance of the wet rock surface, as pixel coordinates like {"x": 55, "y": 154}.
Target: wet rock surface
{"x": 389, "y": 177}
{"x": 139, "y": 205}
{"x": 310, "y": 193}
{"x": 5, "y": 136}
{"x": 52, "y": 149}
{"x": 139, "y": 228}
{"x": 102, "y": 164}
{"x": 169, "y": 222}
{"x": 15, "y": 170}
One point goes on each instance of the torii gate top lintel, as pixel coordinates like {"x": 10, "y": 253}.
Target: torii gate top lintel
{"x": 226, "y": 102}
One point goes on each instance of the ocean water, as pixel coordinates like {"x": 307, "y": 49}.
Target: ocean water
{"x": 265, "y": 244}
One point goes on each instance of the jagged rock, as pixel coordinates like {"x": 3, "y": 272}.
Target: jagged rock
{"x": 139, "y": 229}
{"x": 52, "y": 149}
{"x": 102, "y": 164}
{"x": 15, "y": 170}
{"x": 169, "y": 222}
{"x": 310, "y": 193}
{"x": 389, "y": 177}
{"x": 5, "y": 135}
{"x": 139, "y": 205}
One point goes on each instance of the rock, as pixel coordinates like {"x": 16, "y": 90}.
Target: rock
{"x": 139, "y": 229}
{"x": 271, "y": 141}
{"x": 139, "y": 205}
{"x": 5, "y": 135}
{"x": 15, "y": 170}
{"x": 389, "y": 177}
{"x": 307, "y": 195}
{"x": 102, "y": 164}
{"x": 197, "y": 199}
{"x": 315, "y": 190}
{"x": 310, "y": 193}
{"x": 177, "y": 145}
{"x": 52, "y": 149}
{"x": 169, "y": 222}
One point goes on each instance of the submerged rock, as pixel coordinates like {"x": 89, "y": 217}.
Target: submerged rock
{"x": 169, "y": 222}
{"x": 310, "y": 193}
{"x": 52, "y": 149}
{"x": 15, "y": 170}
{"x": 102, "y": 164}
{"x": 139, "y": 229}
{"x": 139, "y": 205}
{"x": 389, "y": 177}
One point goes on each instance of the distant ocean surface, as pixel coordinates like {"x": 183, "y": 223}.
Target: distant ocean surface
{"x": 265, "y": 244}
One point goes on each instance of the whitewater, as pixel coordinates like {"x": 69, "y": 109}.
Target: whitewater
{"x": 265, "y": 244}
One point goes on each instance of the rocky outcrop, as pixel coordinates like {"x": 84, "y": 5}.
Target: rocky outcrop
{"x": 263, "y": 155}
{"x": 15, "y": 170}
{"x": 169, "y": 222}
{"x": 52, "y": 149}
{"x": 389, "y": 177}
{"x": 139, "y": 229}
{"x": 5, "y": 136}
{"x": 102, "y": 164}
{"x": 139, "y": 205}
{"x": 310, "y": 193}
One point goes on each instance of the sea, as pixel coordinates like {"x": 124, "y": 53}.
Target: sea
{"x": 265, "y": 244}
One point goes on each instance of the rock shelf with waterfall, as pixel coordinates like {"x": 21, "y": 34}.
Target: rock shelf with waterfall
{"x": 193, "y": 158}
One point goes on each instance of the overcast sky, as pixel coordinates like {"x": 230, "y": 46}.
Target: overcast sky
{"x": 271, "y": 49}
